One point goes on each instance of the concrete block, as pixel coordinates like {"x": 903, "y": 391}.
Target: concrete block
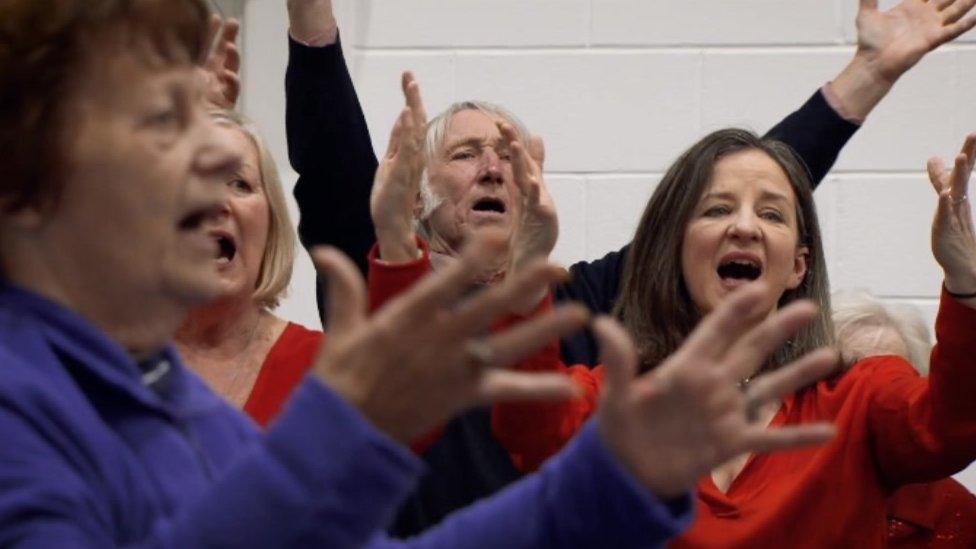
{"x": 468, "y": 23}
{"x": 598, "y": 111}
{"x": 707, "y": 22}
{"x": 614, "y": 205}
{"x": 569, "y": 194}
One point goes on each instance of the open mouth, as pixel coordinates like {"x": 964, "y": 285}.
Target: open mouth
{"x": 740, "y": 269}
{"x": 489, "y": 204}
{"x": 226, "y": 249}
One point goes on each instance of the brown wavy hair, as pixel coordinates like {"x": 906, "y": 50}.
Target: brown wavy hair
{"x": 45, "y": 45}
{"x": 654, "y": 303}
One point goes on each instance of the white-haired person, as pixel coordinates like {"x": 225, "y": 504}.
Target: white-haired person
{"x": 939, "y": 514}
{"x": 330, "y": 148}
{"x": 114, "y": 171}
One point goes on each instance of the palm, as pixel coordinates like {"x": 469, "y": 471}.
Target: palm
{"x": 901, "y": 36}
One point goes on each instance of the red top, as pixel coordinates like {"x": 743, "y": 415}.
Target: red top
{"x": 934, "y": 515}
{"x": 894, "y": 428}
{"x": 282, "y": 370}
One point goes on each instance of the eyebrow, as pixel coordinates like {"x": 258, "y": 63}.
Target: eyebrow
{"x": 765, "y": 196}
{"x": 477, "y": 142}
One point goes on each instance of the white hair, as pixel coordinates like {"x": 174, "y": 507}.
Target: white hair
{"x": 860, "y": 320}
{"x": 434, "y": 140}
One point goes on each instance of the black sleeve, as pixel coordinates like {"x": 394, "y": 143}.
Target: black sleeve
{"x": 817, "y": 134}
{"x": 330, "y": 148}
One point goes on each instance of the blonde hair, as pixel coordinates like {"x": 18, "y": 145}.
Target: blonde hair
{"x": 859, "y": 312}
{"x": 279, "y": 250}
{"x": 434, "y": 140}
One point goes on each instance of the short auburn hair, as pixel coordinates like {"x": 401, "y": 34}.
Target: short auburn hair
{"x": 44, "y": 46}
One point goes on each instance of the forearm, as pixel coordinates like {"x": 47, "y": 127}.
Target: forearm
{"x": 581, "y": 498}
{"x": 329, "y": 146}
{"x": 860, "y": 87}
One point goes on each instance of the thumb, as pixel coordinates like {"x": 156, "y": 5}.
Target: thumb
{"x": 347, "y": 300}
{"x": 937, "y": 173}
{"x": 618, "y": 354}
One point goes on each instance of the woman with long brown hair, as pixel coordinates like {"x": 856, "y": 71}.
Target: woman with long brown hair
{"x": 734, "y": 210}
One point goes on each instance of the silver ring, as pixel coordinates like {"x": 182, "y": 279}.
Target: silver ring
{"x": 960, "y": 200}
{"x": 480, "y": 354}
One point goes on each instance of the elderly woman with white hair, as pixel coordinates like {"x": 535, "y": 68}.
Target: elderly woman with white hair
{"x": 926, "y": 515}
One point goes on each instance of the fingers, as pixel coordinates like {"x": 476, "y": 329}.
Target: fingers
{"x": 443, "y": 287}
{"x": 753, "y": 349}
{"x": 618, "y": 355}
{"x": 526, "y": 338}
{"x": 228, "y": 46}
{"x": 942, "y": 4}
{"x": 761, "y": 440}
{"x": 953, "y": 10}
{"x": 722, "y": 328}
{"x": 537, "y": 150}
{"x": 524, "y": 168}
{"x": 411, "y": 93}
{"x": 959, "y": 179}
{"x": 788, "y": 379}
{"x": 866, "y": 5}
{"x": 477, "y": 313}
{"x": 213, "y": 29}
{"x": 938, "y": 175}
{"x": 504, "y": 385}
{"x": 396, "y": 134}
{"x": 347, "y": 300}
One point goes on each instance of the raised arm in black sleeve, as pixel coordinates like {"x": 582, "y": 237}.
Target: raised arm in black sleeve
{"x": 815, "y": 131}
{"x": 330, "y": 148}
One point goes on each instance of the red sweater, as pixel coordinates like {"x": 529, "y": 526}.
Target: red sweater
{"x": 282, "y": 370}
{"x": 894, "y": 428}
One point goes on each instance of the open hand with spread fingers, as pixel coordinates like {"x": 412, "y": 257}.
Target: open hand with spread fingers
{"x": 677, "y": 422}
{"x": 423, "y": 357}
{"x": 397, "y": 181}
{"x": 896, "y": 39}
{"x": 953, "y": 238}
{"x": 220, "y": 68}
{"x": 538, "y": 229}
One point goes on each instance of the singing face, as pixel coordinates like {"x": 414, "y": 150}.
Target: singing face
{"x": 743, "y": 229}
{"x": 147, "y": 167}
{"x": 471, "y": 177}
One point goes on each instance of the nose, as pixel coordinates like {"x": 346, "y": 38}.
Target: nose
{"x": 491, "y": 168}
{"x": 745, "y": 226}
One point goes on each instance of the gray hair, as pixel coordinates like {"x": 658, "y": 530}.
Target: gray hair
{"x": 434, "y": 140}
{"x": 857, "y": 311}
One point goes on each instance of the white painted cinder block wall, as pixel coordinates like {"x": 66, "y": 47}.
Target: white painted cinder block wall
{"x": 619, "y": 87}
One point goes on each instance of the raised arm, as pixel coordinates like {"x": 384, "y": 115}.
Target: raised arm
{"x": 328, "y": 140}
{"x": 925, "y": 428}
{"x": 889, "y": 43}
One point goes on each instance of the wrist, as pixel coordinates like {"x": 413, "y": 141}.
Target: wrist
{"x": 861, "y": 86}
{"x": 312, "y": 23}
{"x": 397, "y": 245}
{"x": 961, "y": 285}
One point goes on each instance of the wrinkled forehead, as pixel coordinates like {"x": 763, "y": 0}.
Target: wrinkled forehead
{"x": 472, "y": 125}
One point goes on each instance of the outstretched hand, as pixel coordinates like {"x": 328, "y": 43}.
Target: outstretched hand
{"x": 422, "y": 358}
{"x": 896, "y": 39}
{"x": 676, "y": 423}
{"x": 397, "y": 181}
{"x": 220, "y": 68}
{"x": 953, "y": 237}
{"x": 538, "y": 230}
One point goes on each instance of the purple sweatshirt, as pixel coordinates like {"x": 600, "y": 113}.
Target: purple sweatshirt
{"x": 99, "y": 451}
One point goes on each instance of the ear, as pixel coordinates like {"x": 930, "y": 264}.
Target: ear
{"x": 800, "y": 263}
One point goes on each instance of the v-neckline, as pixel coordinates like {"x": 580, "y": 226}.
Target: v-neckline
{"x": 725, "y": 498}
